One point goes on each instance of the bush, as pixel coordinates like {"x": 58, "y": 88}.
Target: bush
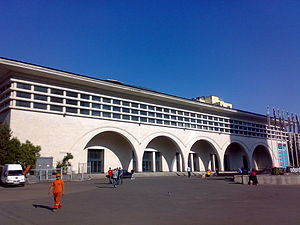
{"x": 277, "y": 171}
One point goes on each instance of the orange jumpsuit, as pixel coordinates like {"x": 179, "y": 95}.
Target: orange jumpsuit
{"x": 57, "y": 186}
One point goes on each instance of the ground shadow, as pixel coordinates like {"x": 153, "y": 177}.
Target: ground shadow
{"x": 42, "y": 206}
{"x": 104, "y": 186}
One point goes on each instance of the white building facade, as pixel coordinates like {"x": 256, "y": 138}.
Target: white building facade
{"x": 104, "y": 124}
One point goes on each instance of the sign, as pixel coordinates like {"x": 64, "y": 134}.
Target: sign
{"x": 283, "y": 156}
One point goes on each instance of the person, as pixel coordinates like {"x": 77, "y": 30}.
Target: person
{"x": 253, "y": 178}
{"x": 109, "y": 175}
{"x": 208, "y": 173}
{"x": 132, "y": 177}
{"x": 57, "y": 188}
{"x": 115, "y": 177}
{"x": 189, "y": 171}
{"x": 120, "y": 176}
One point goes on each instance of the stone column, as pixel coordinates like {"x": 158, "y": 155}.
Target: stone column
{"x": 192, "y": 161}
{"x": 153, "y": 162}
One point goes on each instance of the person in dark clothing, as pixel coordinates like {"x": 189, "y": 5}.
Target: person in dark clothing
{"x": 253, "y": 178}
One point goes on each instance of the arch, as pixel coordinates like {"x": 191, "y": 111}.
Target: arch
{"x": 236, "y": 156}
{"x": 79, "y": 148}
{"x": 261, "y": 157}
{"x": 203, "y": 154}
{"x": 162, "y": 151}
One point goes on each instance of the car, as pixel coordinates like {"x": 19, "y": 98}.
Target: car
{"x": 127, "y": 174}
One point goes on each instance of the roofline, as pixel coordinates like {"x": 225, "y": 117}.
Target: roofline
{"x": 11, "y": 62}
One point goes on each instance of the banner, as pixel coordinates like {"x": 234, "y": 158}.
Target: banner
{"x": 283, "y": 156}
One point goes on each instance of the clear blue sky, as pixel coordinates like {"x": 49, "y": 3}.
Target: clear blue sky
{"x": 246, "y": 52}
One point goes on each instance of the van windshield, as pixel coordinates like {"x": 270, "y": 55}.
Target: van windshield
{"x": 15, "y": 173}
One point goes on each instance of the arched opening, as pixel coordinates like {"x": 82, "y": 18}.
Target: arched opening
{"x": 110, "y": 149}
{"x": 203, "y": 156}
{"x": 162, "y": 154}
{"x": 235, "y": 157}
{"x": 261, "y": 158}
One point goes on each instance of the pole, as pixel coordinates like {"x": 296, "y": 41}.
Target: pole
{"x": 296, "y": 150}
{"x": 291, "y": 150}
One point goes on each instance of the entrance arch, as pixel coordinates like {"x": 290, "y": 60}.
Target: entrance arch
{"x": 162, "y": 154}
{"x": 110, "y": 149}
{"x": 235, "y": 157}
{"x": 261, "y": 158}
{"x": 203, "y": 156}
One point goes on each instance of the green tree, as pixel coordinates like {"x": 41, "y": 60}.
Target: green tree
{"x": 13, "y": 151}
{"x": 65, "y": 162}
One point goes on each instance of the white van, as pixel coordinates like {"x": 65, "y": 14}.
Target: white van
{"x": 12, "y": 174}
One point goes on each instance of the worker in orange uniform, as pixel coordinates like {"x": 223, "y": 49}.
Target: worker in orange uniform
{"x": 57, "y": 188}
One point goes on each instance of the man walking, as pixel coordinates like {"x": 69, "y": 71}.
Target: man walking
{"x": 57, "y": 188}
{"x": 115, "y": 177}
{"x": 109, "y": 175}
{"x": 189, "y": 171}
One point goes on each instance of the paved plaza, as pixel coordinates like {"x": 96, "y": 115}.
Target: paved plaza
{"x": 153, "y": 201}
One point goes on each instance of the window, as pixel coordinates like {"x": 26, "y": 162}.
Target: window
{"x": 40, "y": 89}
{"x": 23, "y": 104}
{"x": 166, "y": 110}
{"x": 126, "y": 117}
{"x": 186, "y": 119}
{"x": 180, "y": 118}
{"x": 204, "y": 117}
{"x": 193, "y": 115}
{"x": 186, "y": 114}
{"x": 159, "y": 121}
{"x": 166, "y": 122}
{"x": 23, "y": 94}
{"x": 125, "y": 103}
{"x": 116, "y": 102}
{"x": 107, "y": 100}
{"x": 180, "y": 124}
{"x": 85, "y": 104}
{"x": 106, "y": 107}
{"x": 96, "y": 98}
{"x": 166, "y": 116}
{"x": 85, "y": 111}
{"x": 84, "y": 96}
{"x": 150, "y": 107}
{"x": 96, "y": 113}
{"x": 174, "y": 117}
{"x": 71, "y": 94}
{"x": 24, "y": 86}
{"x": 173, "y": 111}
{"x": 56, "y": 108}
{"x": 134, "y": 111}
{"x": 117, "y": 116}
{"x": 71, "y": 110}
{"x": 180, "y": 113}
{"x": 151, "y": 120}
{"x": 40, "y": 97}
{"x": 57, "y": 100}
{"x": 159, "y": 115}
{"x": 143, "y": 119}
{"x": 135, "y": 118}
{"x": 143, "y": 113}
{"x": 159, "y": 109}
{"x": 142, "y": 106}
{"x": 57, "y": 92}
{"x": 96, "y": 106}
{"x": 210, "y": 117}
{"x": 125, "y": 110}
{"x": 135, "y": 105}
{"x": 151, "y": 114}
{"x": 39, "y": 106}
{"x": 117, "y": 109}
{"x": 71, "y": 102}
{"x": 173, "y": 123}
{"x": 107, "y": 114}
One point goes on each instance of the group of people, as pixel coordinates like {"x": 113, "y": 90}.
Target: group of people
{"x": 115, "y": 177}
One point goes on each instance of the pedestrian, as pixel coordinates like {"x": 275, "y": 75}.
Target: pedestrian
{"x": 109, "y": 175}
{"x": 189, "y": 171}
{"x": 120, "y": 176}
{"x": 208, "y": 173}
{"x": 132, "y": 177}
{"x": 57, "y": 188}
{"x": 115, "y": 177}
{"x": 253, "y": 178}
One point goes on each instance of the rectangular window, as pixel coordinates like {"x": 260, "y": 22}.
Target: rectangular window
{"x": 199, "y": 121}
{"x": 24, "y": 86}
{"x": 159, "y": 109}
{"x": 159, "y": 115}
{"x": 57, "y": 100}
{"x": 166, "y": 116}
{"x": 151, "y": 114}
{"x": 117, "y": 116}
{"x": 40, "y": 89}
{"x": 71, "y": 102}
{"x": 125, "y": 117}
{"x": 135, "y": 118}
{"x": 193, "y": 120}
{"x": 96, "y": 98}
{"x": 126, "y": 103}
{"x": 56, "y": 108}
{"x": 116, "y": 102}
{"x": 107, "y": 114}
{"x": 71, "y": 110}
{"x": 23, "y": 94}
{"x": 39, "y": 106}
{"x": 107, "y": 100}
{"x": 166, "y": 110}
{"x": 125, "y": 110}
{"x": 186, "y": 119}
{"x": 210, "y": 117}
{"x": 174, "y": 117}
{"x": 71, "y": 94}
{"x": 193, "y": 115}
{"x": 96, "y": 106}
{"x": 180, "y": 124}
{"x": 159, "y": 121}
{"x": 84, "y": 111}
{"x": 135, "y": 105}
{"x": 85, "y": 104}
{"x": 134, "y": 111}
{"x": 151, "y": 120}
{"x": 142, "y": 106}
{"x": 173, "y": 123}
{"x": 193, "y": 125}
{"x": 23, "y": 104}
{"x": 143, "y": 113}
{"x": 204, "y": 117}
{"x": 143, "y": 119}
{"x": 57, "y": 92}
{"x": 106, "y": 107}
{"x": 85, "y": 96}
{"x": 173, "y": 111}
{"x": 180, "y": 113}
{"x": 150, "y": 107}
{"x": 180, "y": 118}
{"x": 166, "y": 122}
{"x": 40, "y": 97}
{"x": 186, "y": 113}
{"x": 117, "y": 109}
{"x": 96, "y": 113}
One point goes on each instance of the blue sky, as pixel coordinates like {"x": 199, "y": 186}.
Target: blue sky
{"x": 246, "y": 52}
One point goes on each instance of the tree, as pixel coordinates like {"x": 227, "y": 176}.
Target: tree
{"x": 13, "y": 151}
{"x": 65, "y": 162}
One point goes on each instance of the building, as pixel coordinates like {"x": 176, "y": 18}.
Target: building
{"x": 105, "y": 123}
{"x": 214, "y": 100}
